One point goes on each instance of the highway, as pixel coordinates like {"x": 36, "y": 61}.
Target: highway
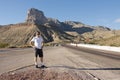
{"x": 103, "y": 64}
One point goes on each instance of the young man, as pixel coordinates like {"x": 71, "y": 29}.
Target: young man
{"x": 37, "y": 44}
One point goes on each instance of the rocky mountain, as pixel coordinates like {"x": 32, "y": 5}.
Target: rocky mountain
{"x": 21, "y": 34}
{"x": 52, "y": 30}
{"x": 36, "y": 16}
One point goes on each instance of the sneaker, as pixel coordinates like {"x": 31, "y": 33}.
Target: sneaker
{"x": 36, "y": 66}
{"x": 43, "y": 66}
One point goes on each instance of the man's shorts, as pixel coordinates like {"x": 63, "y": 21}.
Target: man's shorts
{"x": 38, "y": 52}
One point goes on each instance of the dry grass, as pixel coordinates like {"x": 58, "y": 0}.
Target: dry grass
{"x": 112, "y": 41}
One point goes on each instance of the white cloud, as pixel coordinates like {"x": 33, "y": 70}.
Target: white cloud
{"x": 117, "y": 20}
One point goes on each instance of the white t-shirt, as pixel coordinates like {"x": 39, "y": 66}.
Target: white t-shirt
{"x": 37, "y": 42}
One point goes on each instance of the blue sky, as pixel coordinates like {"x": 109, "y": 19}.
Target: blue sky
{"x": 90, "y": 12}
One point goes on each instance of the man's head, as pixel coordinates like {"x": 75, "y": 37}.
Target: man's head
{"x": 38, "y": 33}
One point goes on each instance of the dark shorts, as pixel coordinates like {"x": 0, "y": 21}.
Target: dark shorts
{"x": 38, "y": 52}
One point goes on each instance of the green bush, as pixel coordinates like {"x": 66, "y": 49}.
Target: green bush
{"x": 3, "y": 45}
{"x": 116, "y": 45}
{"x": 92, "y": 42}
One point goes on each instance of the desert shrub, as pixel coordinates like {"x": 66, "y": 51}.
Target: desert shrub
{"x": 3, "y": 45}
{"x": 117, "y": 45}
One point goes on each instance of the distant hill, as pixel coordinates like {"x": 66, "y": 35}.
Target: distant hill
{"x": 21, "y": 34}
{"x": 112, "y": 41}
{"x": 52, "y": 31}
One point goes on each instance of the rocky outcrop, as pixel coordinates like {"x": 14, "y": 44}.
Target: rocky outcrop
{"x": 74, "y": 23}
{"x": 47, "y": 74}
{"x": 54, "y": 22}
{"x": 36, "y": 16}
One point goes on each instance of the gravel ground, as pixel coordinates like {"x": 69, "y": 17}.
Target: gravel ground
{"x": 46, "y": 74}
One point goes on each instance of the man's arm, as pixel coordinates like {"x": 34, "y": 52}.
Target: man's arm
{"x": 42, "y": 44}
{"x": 32, "y": 44}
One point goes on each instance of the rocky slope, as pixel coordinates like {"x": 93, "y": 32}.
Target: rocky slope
{"x": 52, "y": 30}
{"x": 17, "y": 34}
{"x": 112, "y": 41}
{"x": 21, "y": 34}
{"x": 35, "y": 16}
{"x": 47, "y": 74}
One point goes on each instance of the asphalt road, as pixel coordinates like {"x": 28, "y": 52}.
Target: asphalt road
{"x": 101, "y": 64}
{"x": 105, "y": 64}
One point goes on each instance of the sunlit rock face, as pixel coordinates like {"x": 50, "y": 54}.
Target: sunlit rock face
{"x": 36, "y": 16}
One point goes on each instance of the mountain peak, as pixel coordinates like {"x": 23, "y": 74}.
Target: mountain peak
{"x": 35, "y": 16}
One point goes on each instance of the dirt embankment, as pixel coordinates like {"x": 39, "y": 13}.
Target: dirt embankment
{"x": 47, "y": 74}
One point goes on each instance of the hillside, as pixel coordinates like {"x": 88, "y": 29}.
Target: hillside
{"x": 112, "y": 41}
{"x": 21, "y": 34}
{"x": 52, "y": 31}
{"x": 17, "y": 34}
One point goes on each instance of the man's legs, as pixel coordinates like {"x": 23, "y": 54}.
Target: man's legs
{"x": 35, "y": 60}
{"x": 41, "y": 57}
{"x": 40, "y": 53}
{"x": 42, "y": 63}
{"x": 41, "y": 60}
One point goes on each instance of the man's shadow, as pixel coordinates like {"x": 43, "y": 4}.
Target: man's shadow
{"x": 69, "y": 67}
